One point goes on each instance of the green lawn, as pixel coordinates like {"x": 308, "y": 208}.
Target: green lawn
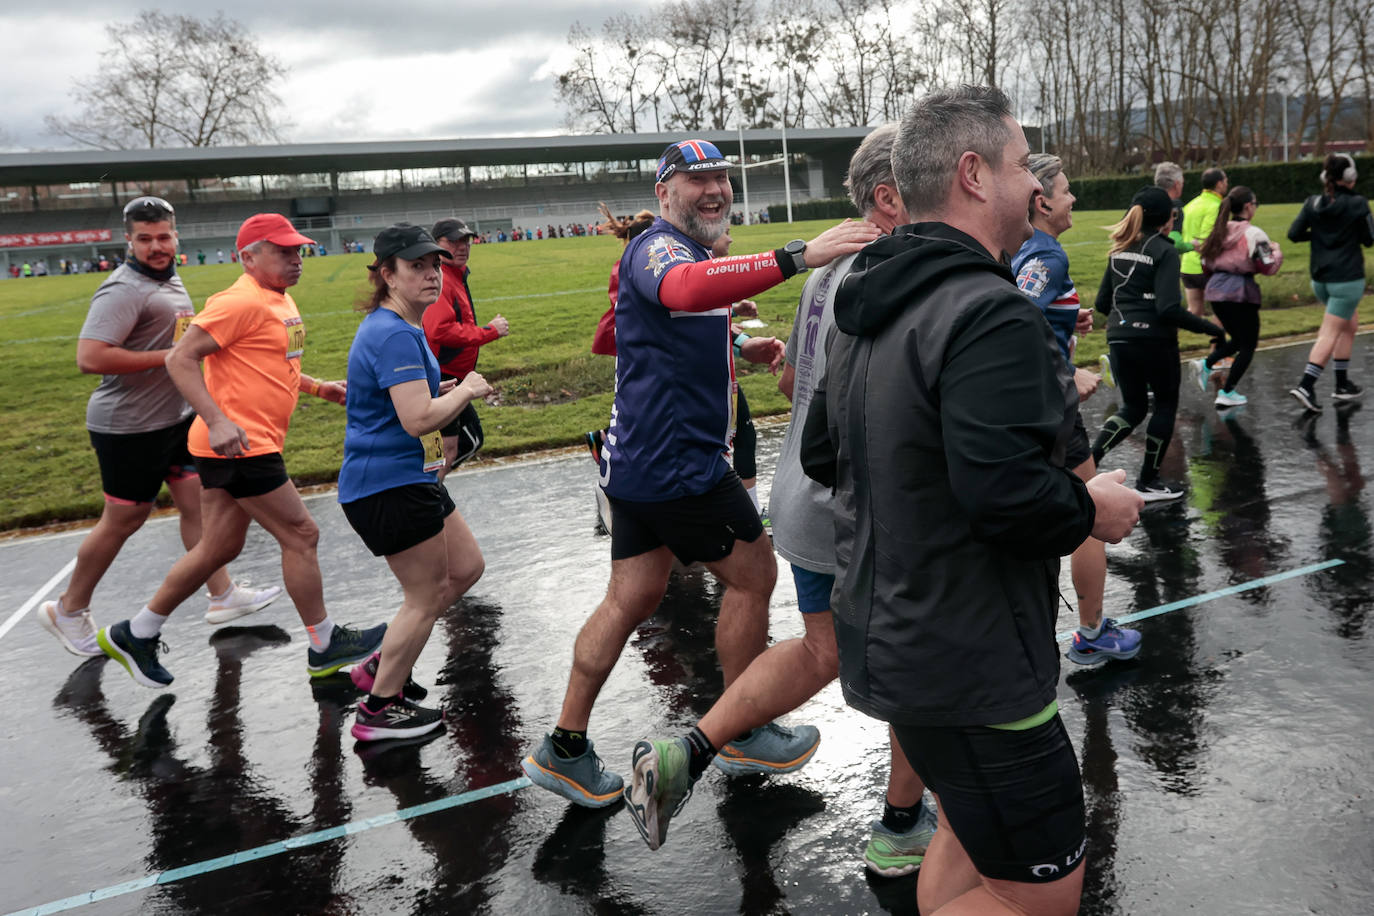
{"x": 550, "y": 387}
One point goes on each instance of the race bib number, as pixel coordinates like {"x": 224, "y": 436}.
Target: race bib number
{"x": 295, "y": 337}
{"x": 183, "y": 322}
{"x": 433, "y": 445}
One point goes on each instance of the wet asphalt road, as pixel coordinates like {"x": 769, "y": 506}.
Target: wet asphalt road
{"x": 1229, "y": 769}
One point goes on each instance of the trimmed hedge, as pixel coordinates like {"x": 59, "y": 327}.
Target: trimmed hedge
{"x": 1272, "y": 182}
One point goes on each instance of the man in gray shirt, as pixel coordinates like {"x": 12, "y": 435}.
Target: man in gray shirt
{"x": 137, "y": 421}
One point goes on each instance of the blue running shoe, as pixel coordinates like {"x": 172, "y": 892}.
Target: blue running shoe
{"x": 138, "y": 656}
{"x": 1231, "y": 399}
{"x": 347, "y": 646}
{"x": 581, "y": 780}
{"x": 1204, "y": 373}
{"x": 660, "y": 785}
{"x": 771, "y": 749}
{"x": 893, "y": 854}
{"x": 1113, "y": 642}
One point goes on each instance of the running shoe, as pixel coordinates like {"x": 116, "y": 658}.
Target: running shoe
{"x": 1224, "y": 364}
{"x": 365, "y": 675}
{"x": 1108, "y": 376}
{"x": 138, "y": 656}
{"x": 1306, "y": 398}
{"x": 1204, "y": 374}
{"x": 595, "y": 440}
{"x": 1347, "y": 392}
{"x": 660, "y": 785}
{"x": 772, "y": 748}
{"x": 1157, "y": 491}
{"x": 582, "y": 780}
{"x": 76, "y": 633}
{"x": 346, "y": 647}
{"x": 1231, "y": 399}
{"x": 241, "y": 601}
{"x": 893, "y": 854}
{"x": 399, "y": 718}
{"x": 1113, "y": 642}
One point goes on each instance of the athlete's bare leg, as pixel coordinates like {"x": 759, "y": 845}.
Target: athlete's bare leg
{"x": 748, "y": 574}
{"x": 224, "y": 525}
{"x": 1088, "y": 566}
{"x": 98, "y": 549}
{"x": 186, "y": 497}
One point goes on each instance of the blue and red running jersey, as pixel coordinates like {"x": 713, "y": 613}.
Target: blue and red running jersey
{"x": 1042, "y": 273}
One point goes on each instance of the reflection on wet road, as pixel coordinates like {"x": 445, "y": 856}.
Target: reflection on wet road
{"x": 1228, "y": 770}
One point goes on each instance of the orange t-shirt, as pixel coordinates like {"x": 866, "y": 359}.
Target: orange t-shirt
{"x": 255, "y": 375}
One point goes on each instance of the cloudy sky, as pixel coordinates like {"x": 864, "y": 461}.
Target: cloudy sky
{"x": 401, "y": 69}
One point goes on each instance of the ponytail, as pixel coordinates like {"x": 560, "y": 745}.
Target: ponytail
{"x": 1127, "y": 232}
{"x": 1234, "y": 205}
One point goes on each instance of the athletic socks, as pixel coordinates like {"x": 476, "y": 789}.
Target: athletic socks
{"x": 320, "y": 634}
{"x": 62, "y": 609}
{"x": 375, "y": 704}
{"x": 1310, "y": 376}
{"x": 900, "y": 820}
{"x": 145, "y": 624}
{"x": 701, "y": 753}
{"x": 1090, "y": 632}
{"x": 1341, "y": 366}
{"x": 568, "y": 744}
{"x": 227, "y": 592}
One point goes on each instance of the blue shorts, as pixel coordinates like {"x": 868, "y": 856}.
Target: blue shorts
{"x": 813, "y": 590}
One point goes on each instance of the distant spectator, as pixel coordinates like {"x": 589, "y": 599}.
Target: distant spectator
{"x": 219, "y": 255}
{"x": 200, "y": 256}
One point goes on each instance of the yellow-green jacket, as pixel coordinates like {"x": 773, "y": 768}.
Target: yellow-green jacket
{"x": 1198, "y": 216}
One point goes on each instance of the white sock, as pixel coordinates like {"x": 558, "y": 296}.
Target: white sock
{"x": 227, "y": 592}
{"x": 754, "y": 495}
{"x": 1091, "y": 632}
{"x": 62, "y": 609}
{"x": 145, "y": 624}
{"x": 320, "y": 634}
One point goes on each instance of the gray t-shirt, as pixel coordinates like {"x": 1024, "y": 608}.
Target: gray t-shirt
{"x": 800, "y": 508}
{"x": 136, "y": 312}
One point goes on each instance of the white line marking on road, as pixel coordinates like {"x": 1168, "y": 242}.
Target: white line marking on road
{"x": 37, "y": 597}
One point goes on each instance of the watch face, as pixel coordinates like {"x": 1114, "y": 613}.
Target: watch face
{"x": 796, "y": 246}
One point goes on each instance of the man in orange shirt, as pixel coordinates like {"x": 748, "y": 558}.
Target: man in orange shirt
{"x": 250, "y": 338}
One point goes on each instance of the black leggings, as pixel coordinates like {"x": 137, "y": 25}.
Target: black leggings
{"x": 746, "y": 440}
{"x": 1142, "y": 366}
{"x": 1242, "y": 323}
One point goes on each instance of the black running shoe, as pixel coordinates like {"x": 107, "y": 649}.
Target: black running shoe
{"x": 138, "y": 656}
{"x": 1347, "y": 392}
{"x": 1306, "y": 398}
{"x": 398, "y": 719}
{"x": 346, "y": 647}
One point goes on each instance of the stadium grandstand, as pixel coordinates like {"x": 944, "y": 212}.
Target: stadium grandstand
{"x": 67, "y": 205}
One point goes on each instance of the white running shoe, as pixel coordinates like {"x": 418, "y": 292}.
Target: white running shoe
{"x": 76, "y": 633}
{"x": 1158, "y": 492}
{"x": 241, "y": 601}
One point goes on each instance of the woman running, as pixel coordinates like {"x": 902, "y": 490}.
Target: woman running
{"x": 1233, "y": 252}
{"x": 388, "y": 483}
{"x": 1139, "y": 293}
{"x": 1337, "y": 223}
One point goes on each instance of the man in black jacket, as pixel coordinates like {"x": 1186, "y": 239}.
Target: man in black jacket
{"x": 946, "y": 415}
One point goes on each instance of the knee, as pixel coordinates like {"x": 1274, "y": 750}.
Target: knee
{"x": 464, "y": 577}
{"x": 302, "y": 535}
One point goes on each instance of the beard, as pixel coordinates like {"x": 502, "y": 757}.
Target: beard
{"x": 693, "y": 224}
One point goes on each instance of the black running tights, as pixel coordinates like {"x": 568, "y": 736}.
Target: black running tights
{"x": 1242, "y": 323}
{"x": 1142, "y": 366}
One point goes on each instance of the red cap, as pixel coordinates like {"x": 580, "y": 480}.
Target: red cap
{"x": 269, "y": 227}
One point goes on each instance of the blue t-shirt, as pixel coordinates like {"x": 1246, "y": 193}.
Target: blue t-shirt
{"x": 1042, "y": 273}
{"x": 378, "y": 453}
{"x": 674, "y": 413}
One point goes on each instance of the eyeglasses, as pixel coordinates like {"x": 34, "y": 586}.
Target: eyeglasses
{"x": 148, "y": 209}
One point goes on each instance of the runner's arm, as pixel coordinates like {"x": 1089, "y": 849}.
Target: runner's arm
{"x": 96, "y": 357}
{"x": 443, "y": 329}
{"x": 330, "y": 391}
{"x": 420, "y": 414}
{"x": 227, "y": 438}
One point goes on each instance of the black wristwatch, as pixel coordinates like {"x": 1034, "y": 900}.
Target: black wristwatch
{"x": 792, "y": 258}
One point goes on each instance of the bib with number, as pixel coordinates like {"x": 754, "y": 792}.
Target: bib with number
{"x": 433, "y": 445}
{"x": 295, "y": 337}
{"x": 183, "y": 322}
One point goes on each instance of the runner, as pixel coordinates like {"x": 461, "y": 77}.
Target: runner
{"x": 1042, "y": 273}
{"x": 137, "y": 422}
{"x": 1336, "y": 222}
{"x": 1235, "y": 250}
{"x": 664, "y": 467}
{"x": 388, "y": 484}
{"x": 250, "y": 338}
{"x": 1139, "y": 294}
{"x": 1198, "y": 216}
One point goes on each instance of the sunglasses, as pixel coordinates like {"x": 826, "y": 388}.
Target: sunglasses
{"x": 148, "y": 209}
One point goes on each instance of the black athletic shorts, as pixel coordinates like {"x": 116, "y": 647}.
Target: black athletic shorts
{"x": 1194, "y": 281}
{"x": 1014, "y": 798}
{"x": 697, "y": 529}
{"x": 134, "y": 465}
{"x": 243, "y": 477}
{"x": 1080, "y": 449}
{"x": 397, "y": 519}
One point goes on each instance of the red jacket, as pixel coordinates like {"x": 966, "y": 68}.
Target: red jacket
{"x": 603, "y": 342}
{"x": 451, "y": 325}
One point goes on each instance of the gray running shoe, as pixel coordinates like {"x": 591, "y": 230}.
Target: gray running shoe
{"x": 893, "y": 854}
{"x": 659, "y": 786}
{"x": 347, "y": 646}
{"x": 771, "y": 749}
{"x": 138, "y": 656}
{"x": 581, "y": 780}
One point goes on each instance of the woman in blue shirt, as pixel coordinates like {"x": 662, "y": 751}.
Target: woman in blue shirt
{"x": 388, "y": 485}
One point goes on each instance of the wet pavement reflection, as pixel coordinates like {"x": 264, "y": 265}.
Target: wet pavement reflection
{"x": 1229, "y": 769}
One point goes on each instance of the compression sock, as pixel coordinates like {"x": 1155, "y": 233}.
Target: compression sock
{"x": 1154, "y": 457}
{"x": 1113, "y": 431}
{"x": 701, "y": 752}
{"x": 900, "y": 820}
{"x": 1341, "y": 366}
{"x": 568, "y": 744}
{"x": 320, "y": 634}
{"x": 145, "y": 624}
{"x": 1310, "y": 376}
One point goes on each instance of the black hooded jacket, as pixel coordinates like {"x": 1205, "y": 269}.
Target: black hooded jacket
{"x": 1337, "y": 227}
{"x": 945, "y": 417}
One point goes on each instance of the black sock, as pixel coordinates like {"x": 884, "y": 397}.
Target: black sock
{"x": 900, "y": 820}
{"x": 701, "y": 752}
{"x": 568, "y": 744}
{"x": 375, "y": 703}
{"x": 1341, "y": 366}
{"x": 1309, "y": 377}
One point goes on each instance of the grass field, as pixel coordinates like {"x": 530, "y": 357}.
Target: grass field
{"x": 550, "y": 388}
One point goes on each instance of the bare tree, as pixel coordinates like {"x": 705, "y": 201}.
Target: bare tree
{"x": 174, "y": 80}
